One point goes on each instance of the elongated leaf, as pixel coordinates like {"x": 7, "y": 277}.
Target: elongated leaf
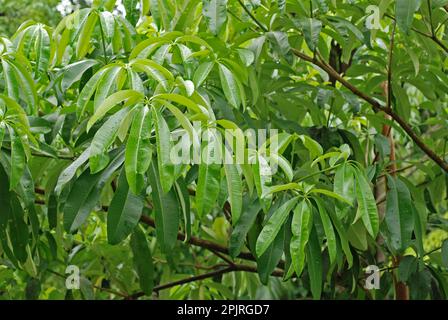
{"x": 103, "y": 139}
{"x": 268, "y": 261}
{"x": 128, "y": 96}
{"x": 70, "y": 171}
{"x": 184, "y": 201}
{"x": 273, "y": 226}
{"x": 124, "y": 212}
{"x": 138, "y": 150}
{"x": 87, "y": 92}
{"x": 167, "y": 211}
{"x": 164, "y": 145}
{"x": 344, "y": 185}
{"x": 311, "y": 29}
{"x": 367, "y": 209}
{"x": 18, "y": 230}
{"x": 328, "y": 229}
{"x": 215, "y": 12}
{"x": 143, "y": 263}
{"x": 314, "y": 258}
{"x": 404, "y": 11}
{"x": 301, "y": 227}
{"x": 106, "y": 85}
{"x": 242, "y": 227}
{"x": 202, "y": 73}
{"x": 230, "y": 86}
{"x": 209, "y": 179}
{"x": 82, "y": 46}
{"x": 86, "y": 192}
{"x": 399, "y": 215}
{"x": 17, "y": 158}
{"x": 235, "y": 189}
{"x": 73, "y": 72}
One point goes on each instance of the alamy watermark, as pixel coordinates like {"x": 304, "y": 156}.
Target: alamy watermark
{"x": 72, "y": 282}
{"x": 373, "y": 278}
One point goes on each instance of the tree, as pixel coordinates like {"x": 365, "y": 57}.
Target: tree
{"x": 349, "y": 168}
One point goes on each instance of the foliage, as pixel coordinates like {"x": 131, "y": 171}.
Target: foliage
{"x": 87, "y": 109}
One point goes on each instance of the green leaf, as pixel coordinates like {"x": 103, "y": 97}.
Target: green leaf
{"x": 209, "y": 179}
{"x": 124, "y": 212}
{"x": 184, "y": 201}
{"x": 86, "y": 192}
{"x": 202, "y": 73}
{"x": 235, "y": 189}
{"x": 367, "y": 209}
{"x": 103, "y": 139}
{"x": 215, "y": 12}
{"x": 139, "y": 150}
{"x": 128, "y": 96}
{"x": 445, "y": 253}
{"x": 230, "y": 86}
{"x": 328, "y": 229}
{"x": 84, "y": 39}
{"x": 404, "y": 12}
{"x": 344, "y": 185}
{"x": 311, "y": 29}
{"x": 167, "y": 211}
{"x": 107, "y": 84}
{"x": 301, "y": 227}
{"x": 143, "y": 263}
{"x": 331, "y": 194}
{"x": 314, "y": 258}
{"x": 73, "y": 72}
{"x": 399, "y": 214}
{"x": 17, "y": 158}
{"x": 18, "y": 229}
{"x": 42, "y": 51}
{"x": 131, "y": 11}
{"x": 267, "y": 262}
{"x": 68, "y": 173}
{"x": 273, "y": 226}
{"x": 242, "y": 227}
{"x": 164, "y": 146}
{"x": 87, "y": 92}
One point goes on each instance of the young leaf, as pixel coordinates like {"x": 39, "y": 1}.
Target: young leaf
{"x": 273, "y": 226}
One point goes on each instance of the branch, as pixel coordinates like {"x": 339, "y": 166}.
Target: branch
{"x": 253, "y": 17}
{"x": 230, "y": 268}
{"x": 376, "y": 107}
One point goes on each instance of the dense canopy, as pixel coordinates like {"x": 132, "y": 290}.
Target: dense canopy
{"x": 352, "y": 100}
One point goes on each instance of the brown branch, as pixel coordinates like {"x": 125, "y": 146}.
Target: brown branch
{"x": 230, "y": 268}
{"x": 376, "y": 107}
